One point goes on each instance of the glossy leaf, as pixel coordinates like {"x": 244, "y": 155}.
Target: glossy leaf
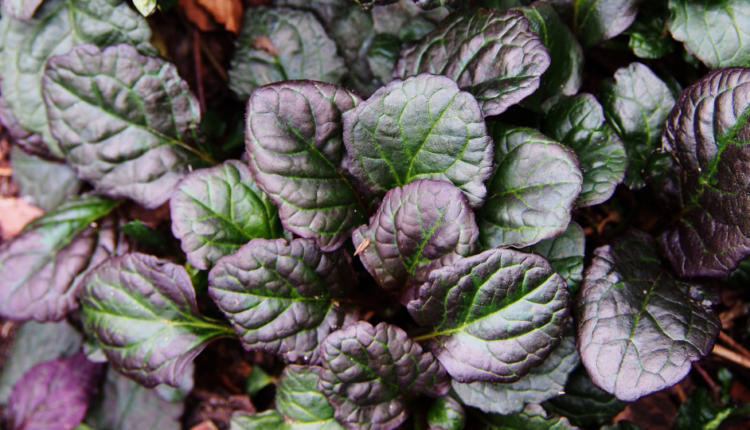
{"x": 639, "y": 327}
{"x": 300, "y": 402}
{"x": 595, "y": 21}
{"x": 21, "y": 10}
{"x": 40, "y": 268}
{"x": 369, "y": 371}
{"x": 283, "y": 297}
{"x": 541, "y": 383}
{"x": 584, "y": 404}
{"x": 420, "y": 128}
{"x": 418, "y": 228}
{"x": 446, "y": 414}
{"x": 268, "y": 420}
{"x": 715, "y": 31}
{"x": 56, "y": 28}
{"x": 257, "y": 380}
{"x": 33, "y": 344}
{"x": 54, "y": 394}
{"x": 142, "y": 313}
{"x": 281, "y": 44}
{"x": 467, "y": 46}
{"x": 579, "y": 123}
{"x": 533, "y": 417}
{"x": 565, "y": 254}
{"x": 124, "y": 120}
{"x": 707, "y": 134}
{"x": 649, "y": 33}
{"x": 495, "y": 315}
{"x": 43, "y": 183}
{"x": 215, "y": 211}
{"x": 294, "y": 141}
{"x": 145, "y": 7}
{"x": 637, "y": 103}
{"x": 534, "y": 185}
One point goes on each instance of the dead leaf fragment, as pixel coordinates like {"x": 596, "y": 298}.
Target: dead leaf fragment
{"x": 226, "y": 12}
{"x": 205, "y": 425}
{"x": 362, "y": 246}
{"x": 199, "y": 16}
{"x": 15, "y": 213}
{"x": 265, "y": 43}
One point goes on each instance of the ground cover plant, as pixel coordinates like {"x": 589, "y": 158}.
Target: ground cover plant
{"x": 375, "y": 215}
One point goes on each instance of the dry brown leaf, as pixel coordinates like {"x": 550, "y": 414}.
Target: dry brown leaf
{"x": 15, "y": 213}
{"x": 226, "y": 12}
{"x": 265, "y": 43}
{"x": 199, "y": 16}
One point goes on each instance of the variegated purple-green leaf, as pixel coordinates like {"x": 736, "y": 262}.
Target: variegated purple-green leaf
{"x": 533, "y": 417}
{"x": 142, "y": 313}
{"x": 283, "y": 297}
{"x": 368, "y": 4}
{"x": 43, "y": 183}
{"x": 369, "y": 372}
{"x": 494, "y": 316}
{"x": 446, "y": 413}
{"x": 565, "y": 254}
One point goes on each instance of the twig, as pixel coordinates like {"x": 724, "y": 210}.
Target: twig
{"x": 680, "y": 393}
{"x": 198, "y": 69}
{"x": 731, "y": 356}
{"x": 701, "y": 371}
{"x": 725, "y": 338}
{"x": 214, "y": 62}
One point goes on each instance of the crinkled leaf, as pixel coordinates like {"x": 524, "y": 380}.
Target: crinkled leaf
{"x": 406, "y": 20}
{"x": 21, "y": 10}
{"x": 30, "y": 142}
{"x": 41, "y": 266}
{"x": 177, "y": 394}
{"x": 707, "y": 133}
{"x": 382, "y": 54}
{"x": 468, "y": 47}
{"x": 57, "y": 27}
{"x": 639, "y": 327}
{"x": 124, "y": 404}
{"x": 268, "y": 420}
{"x": 565, "y": 254}
{"x": 123, "y": 119}
{"x": 420, "y": 128}
{"x": 541, "y": 383}
{"x": 280, "y": 44}
{"x": 534, "y": 186}
{"x": 300, "y": 402}
{"x": 294, "y": 141}
{"x": 584, "y": 404}
{"x": 579, "y": 123}
{"x": 446, "y": 414}
{"x": 54, "y": 394}
{"x": 34, "y": 343}
{"x": 715, "y": 31}
{"x": 533, "y": 417}
{"x": 283, "y": 297}
{"x": 649, "y": 33}
{"x": 418, "y": 228}
{"x": 495, "y": 315}
{"x": 142, "y": 312}
{"x": 637, "y": 103}
{"x": 595, "y": 21}
{"x": 44, "y": 183}
{"x": 369, "y": 371}
{"x": 699, "y": 412}
{"x": 215, "y": 211}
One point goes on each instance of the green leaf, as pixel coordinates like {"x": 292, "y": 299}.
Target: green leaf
{"x": 595, "y": 21}
{"x": 649, "y": 33}
{"x": 637, "y": 103}
{"x": 21, "y": 10}
{"x": 40, "y": 268}
{"x": 494, "y": 316}
{"x": 382, "y": 54}
{"x": 268, "y": 420}
{"x": 215, "y": 211}
{"x": 420, "y": 128}
{"x": 300, "y": 402}
{"x": 699, "y": 412}
{"x": 584, "y": 404}
{"x": 541, "y": 383}
{"x": 715, "y": 31}
{"x": 57, "y": 27}
{"x": 369, "y": 373}
{"x": 534, "y": 186}
{"x": 33, "y": 344}
{"x": 740, "y": 277}
{"x": 257, "y": 380}
{"x": 294, "y": 141}
{"x": 145, "y": 7}
{"x": 146, "y": 235}
{"x": 178, "y": 394}
{"x": 142, "y": 312}
{"x": 123, "y": 119}
{"x": 283, "y": 297}
{"x": 446, "y": 414}
{"x": 565, "y": 254}
{"x": 281, "y": 44}
{"x": 579, "y": 123}
{"x": 639, "y": 327}
{"x": 533, "y": 417}
{"x": 44, "y": 183}
{"x": 418, "y": 228}
{"x": 466, "y": 47}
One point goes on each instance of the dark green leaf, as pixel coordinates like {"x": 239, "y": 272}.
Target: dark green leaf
{"x": 446, "y": 414}
{"x": 533, "y": 417}
{"x": 146, "y": 235}
{"x": 649, "y": 33}
{"x": 268, "y": 420}
{"x": 541, "y": 383}
{"x": 282, "y": 297}
{"x": 533, "y": 188}
{"x": 369, "y": 371}
{"x": 57, "y": 27}
{"x": 420, "y": 128}
{"x": 300, "y": 402}
{"x": 123, "y": 119}
{"x": 637, "y": 104}
{"x": 143, "y": 314}
{"x": 715, "y": 31}
{"x": 257, "y": 380}
{"x": 40, "y": 268}
{"x": 578, "y": 122}
{"x": 584, "y": 404}
{"x": 44, "y": 183}
{"x": 466, "y": 48}
{"x": 595, "y": 21}
{"x": 494, "y": 316}
{"x": 565, "y": 254}
{"x": 740, "y": 277}
{"x": 406, "y": 20}
{"x": 294, "y": 141}
{"x": 418, "y": 228}
{"x": 699, "y": 412}
{"x": 280, "y": 44}
{"x": 639, "y": 327}
{"x": 21, "y": 10}
{"x": 382, "y": 54}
